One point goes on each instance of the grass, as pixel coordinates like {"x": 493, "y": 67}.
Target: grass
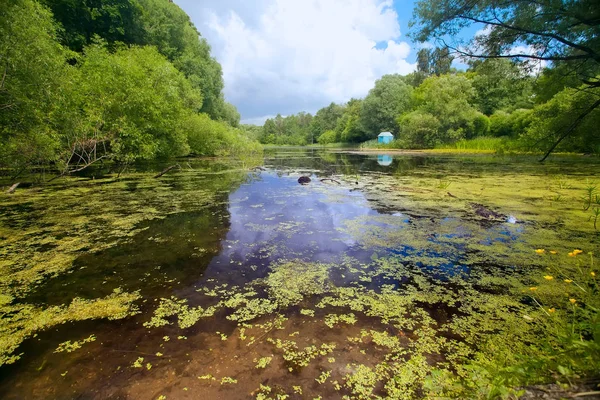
{"x": 484, "y": 144}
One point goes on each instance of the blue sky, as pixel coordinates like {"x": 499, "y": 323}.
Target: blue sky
{"x": 287, "y": 56}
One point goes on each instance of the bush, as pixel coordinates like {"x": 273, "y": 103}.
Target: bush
{"x": 420, "y": 130}
{"x": 327, "y": 137}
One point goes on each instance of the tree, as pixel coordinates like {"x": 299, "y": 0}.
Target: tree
{"x": 424, "y": 61}
{"x": 564, "y": 33}
{"x": 112, "y": 20}
{"x": 500, "y": 84}
{"x": 441, "y": 61}
{"x": 446, "y": 98}
{"x": 33, "y": 75}
{"x": 385, "y": 102}
{"x": 420, "y": 130}
{"x": 570, "y": 111}
{"x": 131, "y": 104}
{"x": 349, "y": 127}
{"x": 326, "y": 119}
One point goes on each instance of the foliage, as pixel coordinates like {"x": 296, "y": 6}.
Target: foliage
{"x": 209, "y": 138}
{"x": 111, "y": 100}
{"x": 327, "y": 137}
{"x": 511, "y": 125}
{"x": 326, "y": 119}
{"x": 291, "y": 130}
{"x": 500, "y": 85}
{"x": 421, "y": 130}
{"x": 434, "y": 62}
{"x": 552, "y": 119}
{"x": 553, "y": 31}
{"x": 134, "y": 101}
{"x": 32, "y": 84}
{"x": 350, "y": 126}
{"x": 113, "y": 20}
{"x": 389, "y": 98}
{"x": 443, "y": 113}
{"x": 562, "y": 33}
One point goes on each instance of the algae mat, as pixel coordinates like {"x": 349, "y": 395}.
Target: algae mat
{"x": 423, "y": 277}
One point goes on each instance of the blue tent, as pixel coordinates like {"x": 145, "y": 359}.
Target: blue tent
{"x": 385, "y": 137}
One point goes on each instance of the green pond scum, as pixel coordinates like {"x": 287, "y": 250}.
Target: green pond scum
{"x": 439, "y": 276}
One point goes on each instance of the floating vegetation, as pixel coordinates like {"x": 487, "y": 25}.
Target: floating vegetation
{"x": 19, "y": 322}
{"x": 388, "y": 285}
{"x": 70, "y": 347}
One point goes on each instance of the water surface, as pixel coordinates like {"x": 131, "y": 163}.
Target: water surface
{"x": 250, "y": 284}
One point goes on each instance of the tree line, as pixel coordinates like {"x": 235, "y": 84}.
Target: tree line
{"x": 438, "y": 106}
{"x": 120, "y": 80}
{"x": 500, "y": 94}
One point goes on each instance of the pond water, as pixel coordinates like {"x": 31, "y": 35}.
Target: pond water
{"x": 231, "y": 280}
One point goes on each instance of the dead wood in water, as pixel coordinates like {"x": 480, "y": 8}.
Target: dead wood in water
{"x": 12, "y": 189}
{"x": 329, "y": 179}
{"x": 164, "y": 171}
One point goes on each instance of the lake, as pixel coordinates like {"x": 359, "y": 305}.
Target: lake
{"x": 385, "y": 275}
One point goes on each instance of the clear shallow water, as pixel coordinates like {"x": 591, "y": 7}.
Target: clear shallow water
{"x": 262, "y": 218}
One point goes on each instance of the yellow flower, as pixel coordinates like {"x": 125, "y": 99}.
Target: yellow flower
{"x": 571, "y": 254}
{"x": 592, "y": 273}
{"x": 573, "y": 301}
{"x": 551, "y": 310}
{"x": 540, "y": 251}
{"x": 577, "y": 251}
{"x": 568, "y": 280}
{"x": 533, "y": 289}
{"x": 553, "y": 252}
{"x": 548, "y": 277}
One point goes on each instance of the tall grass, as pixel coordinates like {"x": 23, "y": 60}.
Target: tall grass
{"x": 482, "y": 144}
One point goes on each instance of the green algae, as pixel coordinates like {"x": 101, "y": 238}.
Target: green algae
{"x": 443, "y": 309}
{"x": 44, "y": 230}
{"x": 70, "y": 347}
{"x": 21, "y": 321}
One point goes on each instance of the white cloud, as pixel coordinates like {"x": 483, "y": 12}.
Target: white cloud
{"x": 288, "y": 56}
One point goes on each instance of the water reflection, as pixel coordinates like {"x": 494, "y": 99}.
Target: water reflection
{"x": 384, "y": 160}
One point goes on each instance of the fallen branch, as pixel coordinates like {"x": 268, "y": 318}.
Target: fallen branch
{"x": 12, "y": 189}
{"x": 329, "y": 179}
{"x": 167, "y": 170}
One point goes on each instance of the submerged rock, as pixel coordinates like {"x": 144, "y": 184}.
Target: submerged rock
{"x": 304, "y": 180}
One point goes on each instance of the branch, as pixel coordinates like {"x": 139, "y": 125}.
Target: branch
{"x": 571, "y": 128}
{"x": 554, "y": 36}
{"x": 164, "y": 171}
{"x": 12, "y": 189}
{"x": 518, "y": 55}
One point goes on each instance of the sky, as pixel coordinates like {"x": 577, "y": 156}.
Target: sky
{"x": 287, "y": 56}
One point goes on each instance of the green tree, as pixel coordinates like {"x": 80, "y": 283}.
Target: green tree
{"x": 389, "y": 99}
{"x": 551, "y": 123}
{"x": 133, "y": 104}
{"x": 420, "y": 130}
{"x": 449, "y": 97}
{"x": 326, "y": 119}
{"x": 327, "y": 137}
{"x": 564, "y": 33}
{"x": 441, "y": 61}
{"x": 349, "y": 128}
{"x": 500, "y": 84}
{"x": 81, "y": 20}
{"x": 33, "y": 75}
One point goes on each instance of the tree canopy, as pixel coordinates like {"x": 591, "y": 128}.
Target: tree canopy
{"x": 122, "y": 80}
{"x": 566, "y": 34}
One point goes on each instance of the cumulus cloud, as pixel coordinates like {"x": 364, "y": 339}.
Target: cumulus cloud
{"x": 286, "y": 56}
